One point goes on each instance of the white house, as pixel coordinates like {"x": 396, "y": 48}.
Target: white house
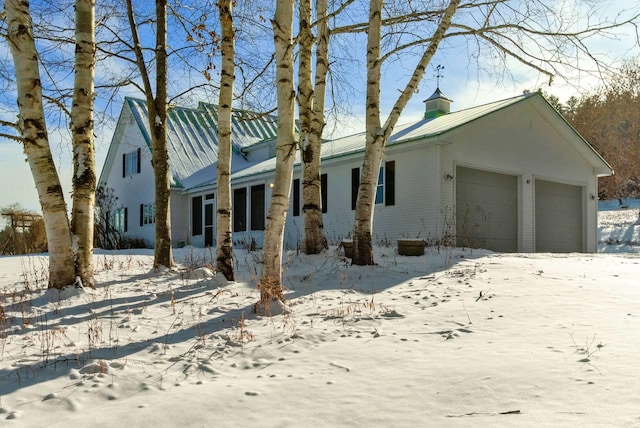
{"x": 508, "y": 176}
{"x": 192, "y": 142}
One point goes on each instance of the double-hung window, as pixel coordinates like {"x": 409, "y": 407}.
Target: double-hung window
{"x": 131, "y": 163}
{"x": 385, "y": 190}
{"x": 147, "y": 214}
{"x": 118, "y": 219}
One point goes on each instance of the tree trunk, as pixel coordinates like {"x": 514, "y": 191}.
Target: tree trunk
{"x": 271, "y": 278}
{"x": 311, "y": 105}
{"x": 362, "y": 246}
{"x": 157, "y": 109}
{"x": 84, "y": 177}
{"x": 34, "y": 134}
{"x": 163, "y": 255}
{"x": 224, "y": 234}
{"x": 377, "y": 136}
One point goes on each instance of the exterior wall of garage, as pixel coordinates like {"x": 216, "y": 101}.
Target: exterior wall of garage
{"x": 534, "y": 149}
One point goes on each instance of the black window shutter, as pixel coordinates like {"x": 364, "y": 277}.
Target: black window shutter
{"x": 139, "y": 156}
{"x": 355, "y": 183}
{"x": 141, "y": 214}
{"x": 196, "y": 216}
{"x": 124, "y": 165}
{"x": 323, "y": 192}
{"x": 390, "y": 183}
{"x": 296, "y": 197}
{"x": 126, "y": 219}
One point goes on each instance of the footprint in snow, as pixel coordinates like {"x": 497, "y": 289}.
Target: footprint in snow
{"x": 392, "y": 314}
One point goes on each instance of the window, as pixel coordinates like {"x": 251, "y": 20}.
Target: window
{"x": 380, "y": 188}
{"x": 240, "y": 210}
{"x": 323, "y": 192}
{"x": 131, "y": 163}
{"x": 196, "y": 216}
{"x": 385, "y": 191}
{"x": 257, "y": 207}
{"x": 296, "y": 197}
{"x": 118, "y": 219}
{"x": 147, "y": 214}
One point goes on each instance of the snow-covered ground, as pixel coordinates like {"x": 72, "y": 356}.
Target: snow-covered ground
{"x": 452, "y": 338}
{"x": 619, "y": 226}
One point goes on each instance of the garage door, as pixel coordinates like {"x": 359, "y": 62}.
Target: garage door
{"x": 486, "y": 210}
{"x": 558, "y": 217}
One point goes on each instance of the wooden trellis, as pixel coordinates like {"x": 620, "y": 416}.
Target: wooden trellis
{"x": 21, "y": 222}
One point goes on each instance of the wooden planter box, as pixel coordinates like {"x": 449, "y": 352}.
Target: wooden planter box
{"x": 411, "y": 247}
{"x": 347, "y": 246}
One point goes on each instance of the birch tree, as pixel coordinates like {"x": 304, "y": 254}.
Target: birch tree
{"x": 286, "y": 145}
{"x": 84, "y": 170}
{"x": 311, "y": 105}
{"x": 542, "y": 36}
{"x": 377, "y": 135}
{"x": 224, "y": 237}
{"x": 157, "y": 112}
{"x": 70, "y": 245}
{"x": 33, "y": 134}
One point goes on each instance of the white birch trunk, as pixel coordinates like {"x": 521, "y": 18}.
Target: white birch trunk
{"x": 224, "y": 234}
{"x": 84, "y": 177}
{"x": 362, "y": 246}
{"x": 271, "y": 277}
{"x": 377, "y": 136}
{"x": 33, "y": 129}
{"x": 313, "y": 125}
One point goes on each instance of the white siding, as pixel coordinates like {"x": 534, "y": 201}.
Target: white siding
{"x": 416, "y": 208}
{"x": 180, "y": 219}
{"x": 135, "y": 189}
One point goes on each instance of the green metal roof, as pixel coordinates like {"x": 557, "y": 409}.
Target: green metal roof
{"x": 192, "y": 136}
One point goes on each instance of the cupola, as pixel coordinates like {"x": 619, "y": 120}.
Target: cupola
{"x": 436, "y": 105}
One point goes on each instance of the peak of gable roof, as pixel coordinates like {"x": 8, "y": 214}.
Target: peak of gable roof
{"x": 192, "y": 134}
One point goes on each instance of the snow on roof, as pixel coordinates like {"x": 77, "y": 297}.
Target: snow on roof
{"x": 192, "y": 136}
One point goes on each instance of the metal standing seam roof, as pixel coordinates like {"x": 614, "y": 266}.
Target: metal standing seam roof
{"x": 192, "y": 135}
{"x": 421, "y": 129}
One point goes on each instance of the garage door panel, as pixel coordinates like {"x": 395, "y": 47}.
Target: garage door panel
{"x": 486, "y": 210}
{"x": 558, "y": 216}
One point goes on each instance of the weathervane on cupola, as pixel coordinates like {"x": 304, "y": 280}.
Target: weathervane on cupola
{"x": 439, "y": 74}
{"x": 437, "y": 104}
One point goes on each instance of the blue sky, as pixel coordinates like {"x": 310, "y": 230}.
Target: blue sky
{"x": 463, "y": 82}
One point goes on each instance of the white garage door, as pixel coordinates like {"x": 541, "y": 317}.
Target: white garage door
{"x": 486, "y": 210}
{"x": 558, "y": 217}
